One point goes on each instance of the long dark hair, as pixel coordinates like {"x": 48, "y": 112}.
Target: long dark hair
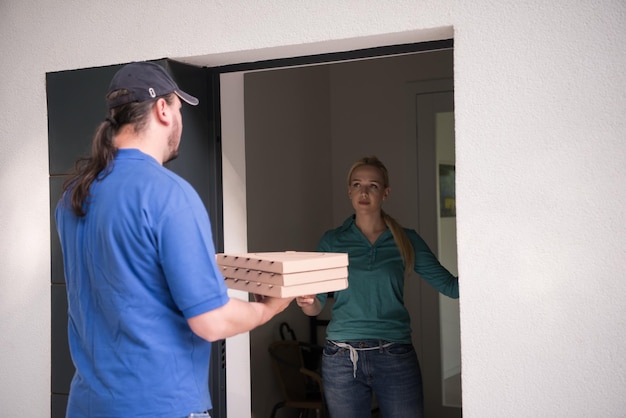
{"x": 399, "y": 236}
{"x": 98, "y": 164}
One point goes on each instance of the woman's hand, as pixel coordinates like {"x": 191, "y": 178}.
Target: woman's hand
{"x": 307, "y": 300}
{"x": 310, "y": 305}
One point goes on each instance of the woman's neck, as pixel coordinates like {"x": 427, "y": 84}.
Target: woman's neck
{"x": 372, "y": 226}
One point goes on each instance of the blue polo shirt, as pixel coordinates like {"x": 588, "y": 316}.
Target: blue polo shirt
{"x": 372, "y": 307}
{"x": 137, "y": 266}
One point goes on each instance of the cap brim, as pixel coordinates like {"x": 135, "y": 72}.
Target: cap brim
{"x": 188, "y": 98}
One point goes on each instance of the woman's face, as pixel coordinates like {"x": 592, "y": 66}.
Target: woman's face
{"x": 367, "y": 189}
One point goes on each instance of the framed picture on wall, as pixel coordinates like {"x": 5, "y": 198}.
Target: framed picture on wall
{"x": 447, "y": 194}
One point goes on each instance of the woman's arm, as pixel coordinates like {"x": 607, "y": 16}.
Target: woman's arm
{"x": 431, "y": 270}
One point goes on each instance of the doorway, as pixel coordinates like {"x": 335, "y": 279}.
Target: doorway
{"x": 303, "y": 128}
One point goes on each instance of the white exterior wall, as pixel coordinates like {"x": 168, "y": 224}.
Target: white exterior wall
{"x": 541, "y": 167}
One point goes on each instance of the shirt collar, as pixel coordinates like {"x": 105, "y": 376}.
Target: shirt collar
{"x": 347, "y": 224}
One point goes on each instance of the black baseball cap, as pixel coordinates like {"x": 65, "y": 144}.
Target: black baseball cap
{"x": 144, "y": 81}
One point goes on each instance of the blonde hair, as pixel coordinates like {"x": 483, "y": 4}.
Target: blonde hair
{"x": 399, "y": 235}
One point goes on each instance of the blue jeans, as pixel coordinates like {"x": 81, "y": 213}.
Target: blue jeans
{"x": 389, "y": 370}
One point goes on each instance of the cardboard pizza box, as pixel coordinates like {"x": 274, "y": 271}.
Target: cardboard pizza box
{"x": 288, "y": 279}
{"x": 286, "y": 273}
{"x": 287, "y": 291}
{"x": 284, "y": 262}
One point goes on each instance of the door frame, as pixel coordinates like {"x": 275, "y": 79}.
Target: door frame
{"x": 424, "y": 100}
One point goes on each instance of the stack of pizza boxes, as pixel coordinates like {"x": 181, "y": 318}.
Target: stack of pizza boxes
{"x": 285, "y": 274}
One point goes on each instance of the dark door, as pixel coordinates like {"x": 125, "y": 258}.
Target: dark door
{"x": 75, "y": 108}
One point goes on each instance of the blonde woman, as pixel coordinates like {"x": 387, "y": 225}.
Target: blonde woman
{"x": 368, "y": 348}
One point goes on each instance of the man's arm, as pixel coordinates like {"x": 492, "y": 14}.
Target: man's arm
{"x": 236, "y": 316}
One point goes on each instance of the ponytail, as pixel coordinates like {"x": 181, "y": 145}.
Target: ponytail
{"x": 98, "y": 165}
{"x": 88, "y": 169}
{"x": 402, "y": 242}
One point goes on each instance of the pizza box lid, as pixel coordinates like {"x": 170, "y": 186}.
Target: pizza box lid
{"x": 287, "y": 291}
{"x": 284, "y": 262}
{"x": 287, "y": 279}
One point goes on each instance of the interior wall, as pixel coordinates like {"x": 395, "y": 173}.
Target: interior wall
{"x": 288, "y": 142}
{"x": 287, "y": 124}
{"x": 369, "y": 117}
{"x": 540, "y": 171}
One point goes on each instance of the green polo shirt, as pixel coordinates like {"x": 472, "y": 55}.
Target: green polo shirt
{"x": 372, "y": 307}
